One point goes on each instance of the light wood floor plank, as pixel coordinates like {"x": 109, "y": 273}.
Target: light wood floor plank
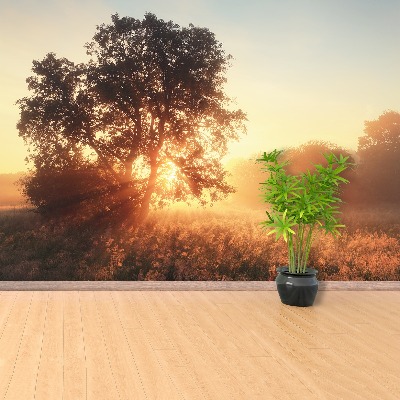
{"x": 74, "y": 349}
{"x": 167, "y": 345}
{"x": 357, "y": 370}
{"x": 124, "y": 369}
{"x": 349, "y": 318}
{"x": 101, "y": 383}
{"x": 208, "y": 367}
{"x": 230, "y": 342}
{"x": 50, "y": 378}
{"x": 7, "y": 301}
{"x": 146, "y": 354}
{"x": 280, "y": 339}
{"x": 359, "y": 335}
{"x": 27, "y": 359}
{"x": 161, "y": 332}
{"x": 262, "y": 329}
{"x": 11, "y": 336}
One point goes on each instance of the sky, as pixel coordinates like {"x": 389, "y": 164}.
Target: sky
{"x": 302, "y": 70}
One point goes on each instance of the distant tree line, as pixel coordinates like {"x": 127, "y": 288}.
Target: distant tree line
{"x": 374, "y": 181}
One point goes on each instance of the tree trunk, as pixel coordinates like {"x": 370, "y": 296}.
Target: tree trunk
{"x": 145, "y": 206}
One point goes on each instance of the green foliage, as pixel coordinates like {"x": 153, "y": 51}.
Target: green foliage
{"x": 302, "y": 203}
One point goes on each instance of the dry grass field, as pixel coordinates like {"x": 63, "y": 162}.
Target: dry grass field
{"x": 191, "y": 244}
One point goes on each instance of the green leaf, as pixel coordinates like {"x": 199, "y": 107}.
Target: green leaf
{"x": 342, "y": 179}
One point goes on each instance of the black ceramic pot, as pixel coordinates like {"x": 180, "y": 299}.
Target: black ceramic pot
{"x": 297, "y": 289}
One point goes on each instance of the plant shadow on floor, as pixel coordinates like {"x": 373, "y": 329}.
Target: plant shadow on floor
{"x": 320, "y": 298}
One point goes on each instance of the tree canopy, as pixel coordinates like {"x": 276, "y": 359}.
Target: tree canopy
{"x": 143, "y": 122}
{"x": 383, "y": 132}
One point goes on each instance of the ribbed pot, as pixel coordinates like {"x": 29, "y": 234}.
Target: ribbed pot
{"x": 297, "y": 289}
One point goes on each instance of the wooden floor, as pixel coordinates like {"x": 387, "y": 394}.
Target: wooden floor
{"x": 198, "y": 345}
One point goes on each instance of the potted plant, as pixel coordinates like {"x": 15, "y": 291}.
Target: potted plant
{"x": 300, "y": 206}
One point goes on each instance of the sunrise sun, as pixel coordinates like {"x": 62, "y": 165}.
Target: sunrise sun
{"x": 170, "y": 173}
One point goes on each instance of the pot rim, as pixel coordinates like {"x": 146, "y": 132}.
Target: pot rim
{"x": 309, "y": 271}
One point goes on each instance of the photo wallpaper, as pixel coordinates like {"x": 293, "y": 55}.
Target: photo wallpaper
{"x": 132, "y": 136}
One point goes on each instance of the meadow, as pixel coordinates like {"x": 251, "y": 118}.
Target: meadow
{"x": 191, "y": 244}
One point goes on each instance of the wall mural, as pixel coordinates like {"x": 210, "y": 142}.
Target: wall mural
{"x": 141, "y": 151}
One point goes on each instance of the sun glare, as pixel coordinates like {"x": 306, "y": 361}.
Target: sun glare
{"x": 170, "y": 173}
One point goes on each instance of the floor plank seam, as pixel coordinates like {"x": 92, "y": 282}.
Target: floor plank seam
{"x": 8, "y": 315}
{"x": 205, "y": 304}
{"x": 19, "y": 347}
{"x": 172, "y": 345}
{"x": 221, "y": 354}
{"x": 105, "y": 346}
{"x": 129, "y": 346}
{"x": 41, "y": 347}
{"x": 84, "y": 343}
{"x": 205, "y": 333}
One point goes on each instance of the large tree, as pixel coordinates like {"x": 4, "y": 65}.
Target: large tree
{"x": 145, "y": 120}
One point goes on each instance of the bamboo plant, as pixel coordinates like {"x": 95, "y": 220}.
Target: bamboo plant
{"x": 302, "y": 204}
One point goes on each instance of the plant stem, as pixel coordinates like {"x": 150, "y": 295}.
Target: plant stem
{"x": 291, "y": 253}
{"x": 308, "y": 247}
{"x": 300, "y": 246}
